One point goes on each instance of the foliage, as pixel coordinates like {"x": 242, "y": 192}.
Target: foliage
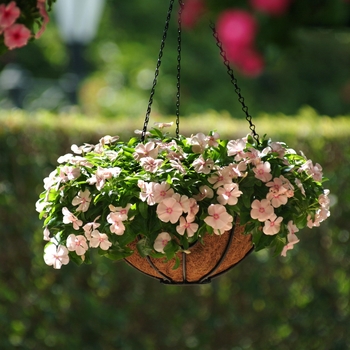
{"x": 294, "y": 302}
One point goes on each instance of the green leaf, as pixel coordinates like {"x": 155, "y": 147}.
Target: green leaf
{"x": 143, "y": 208}
{"x": 177, "y": 263}
{"x": 143, "y": 247}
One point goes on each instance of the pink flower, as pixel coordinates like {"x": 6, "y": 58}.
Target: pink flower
{"x": 41, "y": 5}
{"x": 277, "y": 199}
{"x": 272, "y": 225}
{"x": 193, "y": 209}
{"x": 162, "y": 191}
{"x": 147, "y": 191}
{"x": 212, "y": 139}
{"x": 228, "y": 194}
{"x": 226, "y": 228}
{"x": 188, "y": 226}
{"x": 291, "y": 227}
{"x": 236, "y": 148}
{"x": 323, "y": 199}
{"x": 183, "y": 200}
{"x": 150, "y": 164}
{"x": 101, "y": 175}
{"x": 83, "y": 199}
{"x": 77, "y": 244}
{"x": 69, "y": 173}
{"x": 262, "y": 171}
{"x": 202, "y": 165}
{"x": 147, "y": 150}
{"x": 8, "y": 14}
{"x": 16, "y": 36}
{"x": 169, "y": 210}
{"x": 314, "y": 170}
{"x": 278, "y": 147}
{"x": 199, "y": 142}
{"x": 68, "y": 218}
{"x": 116, "y": 222}
{"x": 107, "y": 139}
{"x": 89, "y": 227}
{"x": 123, "y": 212}
{"x": 292, "y": 239}
{"x": 163, "y": 125}
{"x": 271, "y": 7}
{"x": 261, "y": 210}
{"x": 300, "y": 186}
{"x": 279, "y": 185}
{"x": 176, "y": 164}
{"x": 204, "y": 192}
{"x": 222, "y": 177}
{"x": 46, "y": 234}
{"x": 161, "y": 241}
{"x": 56, "y": 256}
{"x": 237, "y": 28}
{"x": 99, "y": 239}
{"x": 219, "y": 218}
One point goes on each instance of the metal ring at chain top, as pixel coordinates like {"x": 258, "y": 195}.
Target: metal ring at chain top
{"x": 234, "y": 82}
{"x": 165, "y": 32}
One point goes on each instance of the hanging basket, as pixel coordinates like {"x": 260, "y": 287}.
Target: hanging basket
{"x": 201, "y": 263}
{"x": 180, "y": 209}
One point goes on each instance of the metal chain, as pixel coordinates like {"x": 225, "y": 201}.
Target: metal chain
{"x": 234, "y": 82}
{"x": 181, "y": 6}
{"x": 155, "y": 80}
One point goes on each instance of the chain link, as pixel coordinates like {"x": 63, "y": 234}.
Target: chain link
{"x": 234, "y": 82}
{"x": 179, "y": 30}
{"x": 155, "y": 80}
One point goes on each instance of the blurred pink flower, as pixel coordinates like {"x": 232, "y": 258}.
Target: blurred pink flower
{"x": 147, "y": 150}
{"x": 271, "y": 7}
{"x": 16, "y": 36}
{"x": 41, "y": 5}
{"x": 56, "y": 256}
{"x": 161, "y": 241}
{"x": 69, "y": 173}
{"x": 8, "y": 15}
{"x": 237, "y": 28}
{"x": 202, "y": 165}
{"x": 150, "y": 164}
{"x": 251, "y": 63}
{"x": 292, "y": 239}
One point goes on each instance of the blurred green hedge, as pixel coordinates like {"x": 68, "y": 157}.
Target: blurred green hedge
{"x": 301, "y": 301}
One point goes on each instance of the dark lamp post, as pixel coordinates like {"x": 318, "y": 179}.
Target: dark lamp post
{"x": 77, "y": 22}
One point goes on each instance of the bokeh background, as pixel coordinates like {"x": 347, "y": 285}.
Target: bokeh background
{"x": 75, "y": 86}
